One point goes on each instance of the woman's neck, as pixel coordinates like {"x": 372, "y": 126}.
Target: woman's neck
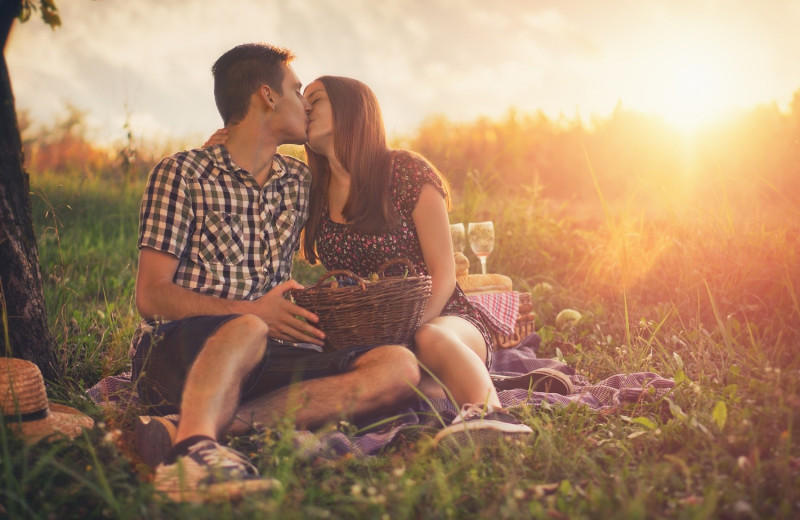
{"x": 338, "y": 191}
{"x": 337, "y": 170}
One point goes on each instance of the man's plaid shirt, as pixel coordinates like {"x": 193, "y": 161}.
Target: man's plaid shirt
{"x": 234, "y": 239}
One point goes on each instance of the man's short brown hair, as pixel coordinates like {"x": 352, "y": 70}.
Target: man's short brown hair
{"x": 241, "y": 71}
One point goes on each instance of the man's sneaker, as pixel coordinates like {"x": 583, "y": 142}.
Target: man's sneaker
{"x": 539, "y": 380}
{"x": 154, "y": 436}
{"x": 478, "y": 425}
{"x": 210, "y": 472}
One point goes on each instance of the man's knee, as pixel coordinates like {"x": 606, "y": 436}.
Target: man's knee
{"x": 247, "y": 333}
{"x": 396, "y": 363}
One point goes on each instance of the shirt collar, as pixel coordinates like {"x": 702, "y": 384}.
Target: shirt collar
{"x": 224, "y": 162}
{"x": 221, "y": 158}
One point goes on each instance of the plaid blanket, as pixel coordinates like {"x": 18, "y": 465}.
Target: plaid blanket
{"x": 430, "y": 416}
{"x": 499, "y": 310}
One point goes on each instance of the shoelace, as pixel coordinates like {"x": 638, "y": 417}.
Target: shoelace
{"x": 223, "y": 458}
{"x": 472, "y": 411}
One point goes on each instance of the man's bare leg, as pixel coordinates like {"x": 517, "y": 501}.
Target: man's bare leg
{"x": 213, "y": 385}
{"x": 380, "y": 379}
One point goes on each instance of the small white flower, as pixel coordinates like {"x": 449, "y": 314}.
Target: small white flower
{"x": 112, "y": 436}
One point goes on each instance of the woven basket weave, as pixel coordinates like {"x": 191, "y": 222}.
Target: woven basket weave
{"x": 526, "y": 325}
{"x": 380, "y": 312}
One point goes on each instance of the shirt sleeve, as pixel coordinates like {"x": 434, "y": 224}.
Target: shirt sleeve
{"x": 166, "y": 214}
{"x": 412, "y": 172}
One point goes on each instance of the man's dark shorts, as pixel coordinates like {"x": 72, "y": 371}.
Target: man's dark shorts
{"x": 163, "y": 353}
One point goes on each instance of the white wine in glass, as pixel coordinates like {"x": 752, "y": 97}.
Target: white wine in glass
{"x": 481, "y": 240}
{"x": 458, "y": 235}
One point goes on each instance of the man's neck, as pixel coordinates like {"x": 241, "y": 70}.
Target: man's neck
{"x": 252, "y": 149}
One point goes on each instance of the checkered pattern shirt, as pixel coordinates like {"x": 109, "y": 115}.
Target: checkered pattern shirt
{"x": 234, "y": 239}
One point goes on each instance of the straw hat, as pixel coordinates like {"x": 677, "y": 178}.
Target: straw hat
{"x": 26, "y": 410}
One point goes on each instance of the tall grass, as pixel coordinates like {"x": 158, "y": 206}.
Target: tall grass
{"x": 705, "y": 295}
{"x": 84, "y": 229}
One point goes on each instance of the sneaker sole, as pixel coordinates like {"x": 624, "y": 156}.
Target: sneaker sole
{"x": 541, "y": 380}
{"x": 480, "y": 432}
{"x": 153, "y": 438}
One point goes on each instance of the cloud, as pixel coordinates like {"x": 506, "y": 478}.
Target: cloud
{"x": 150, "y": 59}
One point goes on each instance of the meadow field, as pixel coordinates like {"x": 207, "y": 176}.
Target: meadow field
{"x": 694, "y": 276}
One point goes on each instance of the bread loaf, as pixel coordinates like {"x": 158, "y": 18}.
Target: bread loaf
{"x": 462, "y": 264}
{"x": 484, "y": 283}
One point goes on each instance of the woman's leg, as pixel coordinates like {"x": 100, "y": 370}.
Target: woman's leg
{"x": 454, "y": 351}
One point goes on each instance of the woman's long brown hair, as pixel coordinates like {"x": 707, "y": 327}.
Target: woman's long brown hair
{"x": 359, "y": 140}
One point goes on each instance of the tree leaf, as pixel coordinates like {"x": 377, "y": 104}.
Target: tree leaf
{"x": 51, "y": 18}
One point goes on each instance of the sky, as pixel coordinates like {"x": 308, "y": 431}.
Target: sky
{"x": 148, "y": 61}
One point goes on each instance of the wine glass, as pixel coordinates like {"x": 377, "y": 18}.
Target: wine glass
{"x": 458, "y": 236}
{"x": 481, "y": 240}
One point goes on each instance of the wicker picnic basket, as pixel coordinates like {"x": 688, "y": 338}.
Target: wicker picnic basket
{"x": 353, "y": 311}
{"x": 526, "y": 325}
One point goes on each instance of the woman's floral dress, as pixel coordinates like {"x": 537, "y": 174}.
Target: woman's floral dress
{"x": 339, "y": 247}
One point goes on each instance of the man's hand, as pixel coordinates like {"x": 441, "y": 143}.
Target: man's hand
{"x": 283, "y": 317}
{"x": 157, "y": 295}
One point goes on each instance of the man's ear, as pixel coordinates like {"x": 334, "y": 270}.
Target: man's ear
{"x": 268, "y": 95}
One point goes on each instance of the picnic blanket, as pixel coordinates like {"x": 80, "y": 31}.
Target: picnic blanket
{"x": 432, "y": 415}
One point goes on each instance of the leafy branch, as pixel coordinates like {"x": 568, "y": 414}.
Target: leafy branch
{"x": 46, "y": 7}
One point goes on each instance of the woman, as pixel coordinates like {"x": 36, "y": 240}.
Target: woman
{"x": 370, "y": 204}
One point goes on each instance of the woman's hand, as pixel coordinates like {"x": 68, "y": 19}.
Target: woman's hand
{"x": 218, "y": 137}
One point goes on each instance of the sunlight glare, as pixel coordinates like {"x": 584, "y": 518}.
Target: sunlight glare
{"x": 690, "y": 85}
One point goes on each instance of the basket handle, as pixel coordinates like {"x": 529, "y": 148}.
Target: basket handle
{"x": 343, "y": 272}
{"x": 411, "y": 270}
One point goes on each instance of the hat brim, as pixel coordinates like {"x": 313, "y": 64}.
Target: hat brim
{"x": 62, "y": 421}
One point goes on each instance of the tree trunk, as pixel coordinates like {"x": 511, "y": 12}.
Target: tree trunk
{"x": 25, "y": 333}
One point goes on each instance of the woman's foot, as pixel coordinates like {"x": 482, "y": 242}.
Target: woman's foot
{"x": 477, "y": 424}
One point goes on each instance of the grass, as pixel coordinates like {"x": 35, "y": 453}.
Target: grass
{"x": 704, "y": 295}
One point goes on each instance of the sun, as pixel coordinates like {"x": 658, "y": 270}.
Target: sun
{"x": 689, "y": 85}
{"x": 692, "y": 94}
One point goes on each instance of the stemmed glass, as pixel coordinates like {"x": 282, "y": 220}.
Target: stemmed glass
{"x": 481, "y": 240}
{"x": 457, "y": 234}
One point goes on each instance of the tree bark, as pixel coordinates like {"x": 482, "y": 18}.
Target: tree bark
{"x": 24, "y": 331}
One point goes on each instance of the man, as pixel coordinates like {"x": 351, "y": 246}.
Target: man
{"x": 219, "y": 227}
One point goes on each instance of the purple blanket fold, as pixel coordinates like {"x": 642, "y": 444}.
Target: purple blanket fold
{"x": 429, "y": 416}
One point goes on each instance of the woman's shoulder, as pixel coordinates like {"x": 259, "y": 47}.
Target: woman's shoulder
{"x": 411, "y": 172}
{"x": 409, "y": 158}
{"x": 412, "y": 167}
